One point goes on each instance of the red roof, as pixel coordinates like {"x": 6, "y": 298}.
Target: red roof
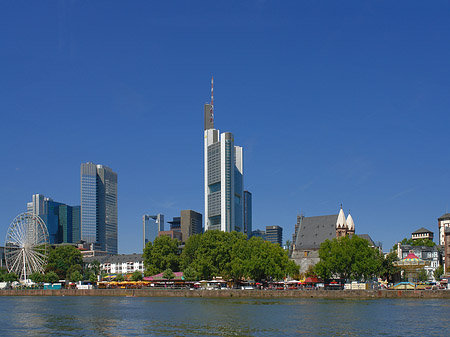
{"x": 411, "y": 256}
{"x": 313, "y": 280}
{"x": 159, "y": 277}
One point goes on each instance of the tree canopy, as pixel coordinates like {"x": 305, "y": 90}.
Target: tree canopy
{"x": 416, "y": 242}
{"x": 162, "y": 254}
{"x": 348, "y": 258}
{"x": 64, "y": 260}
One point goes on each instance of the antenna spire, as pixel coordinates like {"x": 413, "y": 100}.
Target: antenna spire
{"x": 212, "y": 90}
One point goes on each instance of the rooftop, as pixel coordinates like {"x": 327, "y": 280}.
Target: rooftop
{"x": 315, "y": 230}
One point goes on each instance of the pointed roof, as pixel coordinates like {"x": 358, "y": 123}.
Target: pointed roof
{"x": 350, "y": 223}
{"x": 446, "y": 216}
{"x": 422, "y": 230}
{"x": 341, "y": 223}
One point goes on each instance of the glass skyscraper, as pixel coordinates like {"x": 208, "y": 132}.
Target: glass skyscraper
{"x": 99, "y": 220}
{"x": 152, "y": 225}
{"x": 248, "y": 213}
{"x": 224, "y": 174}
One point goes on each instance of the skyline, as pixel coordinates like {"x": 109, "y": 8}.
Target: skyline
{"x": 333, "y": 104}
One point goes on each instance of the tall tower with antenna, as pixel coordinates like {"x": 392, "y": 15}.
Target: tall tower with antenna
{"x": 224, "y": 175}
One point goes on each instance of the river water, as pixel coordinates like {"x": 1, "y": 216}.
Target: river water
{"x": 149, "y": 316}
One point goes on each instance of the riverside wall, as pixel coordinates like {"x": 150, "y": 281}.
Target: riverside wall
{"x": 329, "y": 294}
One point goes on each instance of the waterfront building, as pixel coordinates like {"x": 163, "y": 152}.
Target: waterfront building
{"x": 175, "y": 224}
{"x": 274, "y": 234}
{"x": 248, "y": 213}
{"x": 62, "y": 221}
{"x": 190, "y": 223}
{"x": 223, "y": 178}
{"x": 422, "y": 233}
{"x": 443, "y": 222}
{"x": 432, "y": 255}
{"x": 152, "y": 225}
{"x": 99, "y": 223}
{"x": 312, "y": 231}
{"x": 117, "y": 264}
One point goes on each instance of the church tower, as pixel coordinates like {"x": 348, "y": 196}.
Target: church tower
{"x": 350, "y": 225}
{"x": 341, "y": 224}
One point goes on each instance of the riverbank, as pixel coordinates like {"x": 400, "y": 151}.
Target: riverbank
{"x": 363, "y": 294}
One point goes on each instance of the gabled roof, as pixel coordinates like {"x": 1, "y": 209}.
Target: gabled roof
{"x": 446, "y": 216}
{"x": 315, "y": 230}
{"x": 368, "y": 238}
{"x": 422, "y": 230}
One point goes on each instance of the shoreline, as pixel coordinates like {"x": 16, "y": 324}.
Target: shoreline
{"x": 266, "y": 294}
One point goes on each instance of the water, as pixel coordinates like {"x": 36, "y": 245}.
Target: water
{"x": 123, "y": 316}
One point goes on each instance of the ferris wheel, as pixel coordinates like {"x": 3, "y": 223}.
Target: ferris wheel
{"x": 26, "y": 245}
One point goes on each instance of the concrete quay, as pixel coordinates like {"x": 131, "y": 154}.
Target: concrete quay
{"x": 329, "y": 294}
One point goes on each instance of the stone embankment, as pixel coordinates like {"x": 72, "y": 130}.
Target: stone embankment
{"x": 361, "y": 294}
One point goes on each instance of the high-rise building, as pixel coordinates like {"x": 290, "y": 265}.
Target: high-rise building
{"x": 153, "y": 224}
{"x": 224, "y": 174}
{"x": 99, "y": 223}
{"x": 274, "y": 234}
{"x": 248, "y": 213}
{"x": 191, "y": 224}
{"x": 62, "y": 221}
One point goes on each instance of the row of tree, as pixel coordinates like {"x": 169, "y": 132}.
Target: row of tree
{"x": 217, "y": 253}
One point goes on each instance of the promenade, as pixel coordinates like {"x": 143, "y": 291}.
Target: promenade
{"x": 236, "y": 293}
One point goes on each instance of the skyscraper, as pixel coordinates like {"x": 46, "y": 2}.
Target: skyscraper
{"x": 191, "y": 224}
{"x": 248, "y": 213}
{"x": 99, "y": 206}
{"x": 224, "y": 174}
{"x": 62, "y": 221}
{"x": 274, "y": 234}
{"x": 152, "y": 225}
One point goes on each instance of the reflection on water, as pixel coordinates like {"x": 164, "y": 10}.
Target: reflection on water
{"x": 120, "y": 316}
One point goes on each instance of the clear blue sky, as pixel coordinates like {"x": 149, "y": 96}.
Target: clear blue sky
{"x": 334, "y": 102}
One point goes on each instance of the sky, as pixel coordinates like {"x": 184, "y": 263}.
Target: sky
{"x": 333, "y": 102}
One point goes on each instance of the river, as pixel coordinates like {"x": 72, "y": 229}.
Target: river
{"x": 147, "y": 316}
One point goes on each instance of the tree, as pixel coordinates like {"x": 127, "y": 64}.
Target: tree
{"x": 10, "y": 277}
{"x": 161, "y": 254}
{"x": 137, "y": 276}
{"x": 37, "y": 277}
{"x": 348, "y": 258}
{"x": 388, "y": 270}
{"x": 168, "y": 274}
{"x": 438, "y": 272}
{"x": 310, "y": 271}
{"x": 190, "y": 274}
{"x": 92, "y": 278}
{"x": 62, "y": 258}
{"x": 75, "y": 276}
{"x": 119, "y": 278}
{"x": 51, "y": 277}
{"x": 423, "y": 275}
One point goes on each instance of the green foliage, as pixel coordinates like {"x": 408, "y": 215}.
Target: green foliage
{"x": 119, "y": 278}
{"x": 231, "y": 255}
{"x": 438, "y": 272}
{"x": 311, "y": 271}
{"x": 423, "y": 275}
{"x": 95, "y": 267}
{"x": 190, "y": 274}
{"x": 168, "y": 274}
{"x": 137, "y": 276}
{"x": 161, "y": 255}
{"x": 418, "y": 242}
{"x": 92, "y": 278}
{"x": 75, "y": 276}
{"x": 51, "y": 277}
{"x": 62, "y": 258}
{"x": 10, "y": 277}
{"x": 388, "y": 270}
{"x": 348, "y": 258}
{"x": 37, "y": 277}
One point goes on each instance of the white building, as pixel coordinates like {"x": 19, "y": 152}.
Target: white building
{"x": 443, "y": 222}
{"x": 118, "y": 264}
{"x": 152, "y": 225}
{"x": 224, "y": 174}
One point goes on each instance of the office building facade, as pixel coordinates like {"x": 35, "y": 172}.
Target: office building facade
{"x": 62, "y": 221}
{"x": 191, "y": 224}
{"x": 99, "y": 219}
{"x": 223, "y": 180}
{"x": 153, "y": 224}
{"x": 274, "y": 234}
{"x": 248, "y": 213}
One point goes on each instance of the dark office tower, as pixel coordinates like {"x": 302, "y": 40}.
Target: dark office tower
{"x": 99, "y": 206}
{"x": 76, "y": 224}
{"x": 248, "y": 213}
{"x": 191, "y": 224}
{"x": 274, "y": 234}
